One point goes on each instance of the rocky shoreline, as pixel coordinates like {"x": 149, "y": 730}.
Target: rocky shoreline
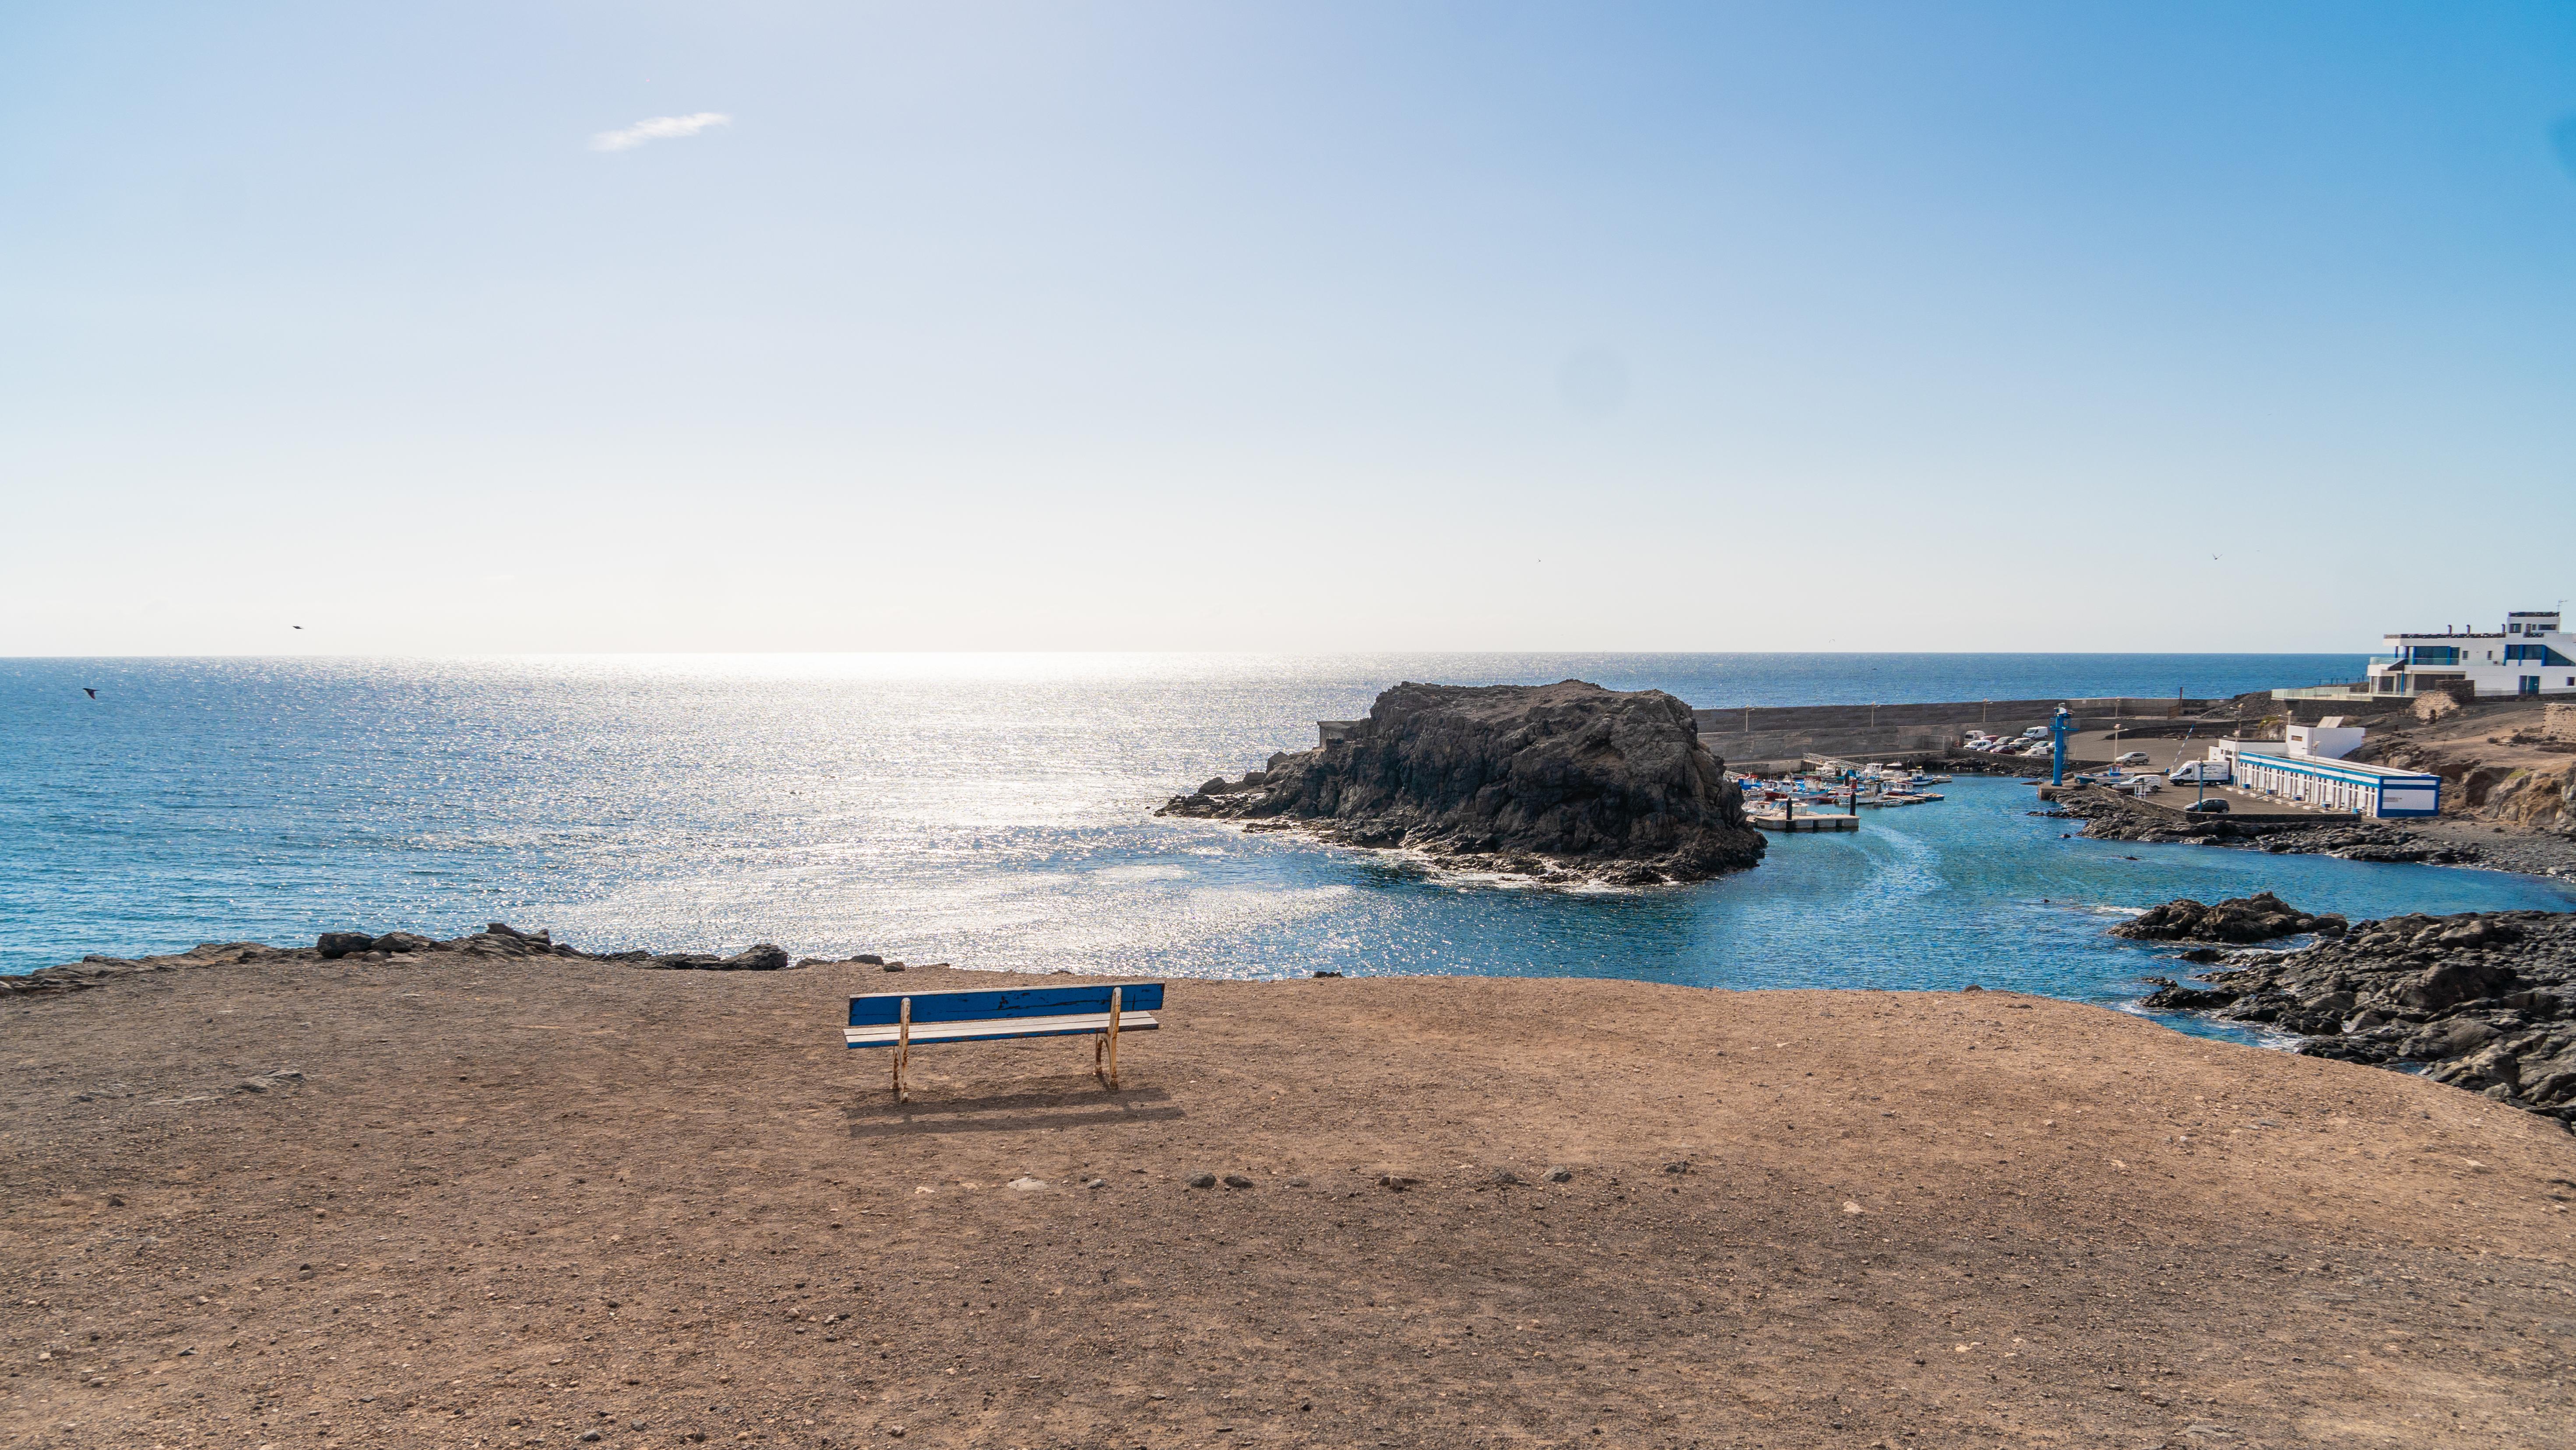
{"x": 2439, "y": 841}
{"x": 355, "y": 948}
{"x": 1566, "y": 782}
{"x": 2484, "y": 1001}
{"x": 2107, "y": 817}
{"x": 2257, "y": 918}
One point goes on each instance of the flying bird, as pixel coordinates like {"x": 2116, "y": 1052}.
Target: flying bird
{"x": 92, "y": 691}
{"x": 301, "y": 626}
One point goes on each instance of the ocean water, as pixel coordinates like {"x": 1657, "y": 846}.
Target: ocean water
{"x": 994, "y": 811}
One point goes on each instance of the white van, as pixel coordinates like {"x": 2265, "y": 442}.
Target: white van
{"x": 2200, "y": 772}
{"x": 2036, "y": 732}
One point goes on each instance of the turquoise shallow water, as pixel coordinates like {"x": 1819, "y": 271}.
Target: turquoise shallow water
{"x": 994, "y": 811}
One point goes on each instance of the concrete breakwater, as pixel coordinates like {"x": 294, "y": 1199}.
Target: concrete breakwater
{"x": 1757, "y": 737}
{"x": 1752, "y": 737}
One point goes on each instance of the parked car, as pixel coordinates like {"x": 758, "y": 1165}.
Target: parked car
{"x": 2206, "y": 808}
{"x": 2134, "y": 757}
{"x": 2146, "y": 785}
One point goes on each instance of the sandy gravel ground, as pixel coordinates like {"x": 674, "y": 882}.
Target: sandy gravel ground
{"x": 529, "y": 1203}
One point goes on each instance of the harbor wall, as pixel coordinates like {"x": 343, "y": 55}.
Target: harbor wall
{"x": 1914, "y": 731}
{"x": 1787, "y": 747}
{"x": 1995, "y": 716}
{"x": 1785, "y": 734}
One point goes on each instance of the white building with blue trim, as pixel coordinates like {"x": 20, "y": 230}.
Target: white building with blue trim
{"x": 2339, "y": 785}
{"x": 2531, "y": 655}
{"x": 2306, "y": 770}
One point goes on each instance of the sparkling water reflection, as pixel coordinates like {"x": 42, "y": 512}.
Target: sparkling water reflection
{"x": 994, "y": 811}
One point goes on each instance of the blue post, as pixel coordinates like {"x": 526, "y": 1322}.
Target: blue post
{"x": 2059, "y": 728}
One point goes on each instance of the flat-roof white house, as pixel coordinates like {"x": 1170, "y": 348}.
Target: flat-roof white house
{"x": 2328, "y": 739}
{"x": 2531, "y": 655}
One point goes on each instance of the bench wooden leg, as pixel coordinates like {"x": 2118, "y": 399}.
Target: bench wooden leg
{"x": 1109, "y": 1039}
{"x": 902, "y": 1049}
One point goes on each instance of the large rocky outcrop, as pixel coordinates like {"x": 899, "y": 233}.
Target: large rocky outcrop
{"x": 2239, "y": 919}
{"x": 2483, "y": 1000}
{"x": 1548, "y": 780}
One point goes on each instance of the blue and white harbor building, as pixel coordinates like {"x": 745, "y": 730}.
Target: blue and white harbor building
{"x": 2339, "y": 785}
{"x": 2531, "y": 655}
{"x": 2307, "y": 769}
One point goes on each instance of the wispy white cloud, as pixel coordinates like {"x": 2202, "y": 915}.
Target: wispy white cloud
{"x": 659, "y": 128}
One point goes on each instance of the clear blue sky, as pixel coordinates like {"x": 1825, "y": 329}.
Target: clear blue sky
{"x": 1298, "y": 326}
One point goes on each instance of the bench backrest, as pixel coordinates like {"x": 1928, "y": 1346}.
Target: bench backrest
{"x": 880, "y": 1008}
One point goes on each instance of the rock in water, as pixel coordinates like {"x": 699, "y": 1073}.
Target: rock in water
{"x": 1511, "y": 778}
{"x": 2483, "y": 1000}
{"x": 2260, "y": 917}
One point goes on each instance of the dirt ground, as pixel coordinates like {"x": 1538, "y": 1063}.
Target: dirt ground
{"x": 2486, "y": 733}
{"x": 533, "y": 1202}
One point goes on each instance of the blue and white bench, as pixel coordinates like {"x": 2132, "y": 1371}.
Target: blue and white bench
{"x": 901, "y": 1019}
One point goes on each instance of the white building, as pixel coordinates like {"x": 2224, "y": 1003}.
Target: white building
{"x": 2308, "y": 769}
{"x": 2328, "y": 739}
{"x": 2530, "y": 656}
{"x": 2337, "y": 785}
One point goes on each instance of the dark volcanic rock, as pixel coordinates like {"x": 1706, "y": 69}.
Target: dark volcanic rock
{"x": 2260, "y": 917}
{"x": 2484, "y": 1000}
{"x": 762, "y": 958}
{"x": 1511, "y": 778}
{"x": 2109, "y": 816}
{"x": 2172, "y": 996}
{"x": 496, "y": 940}
{"x": 2449, "y": 983}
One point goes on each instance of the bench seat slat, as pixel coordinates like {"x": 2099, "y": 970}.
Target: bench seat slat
{"x": 878, "y": 1008}
{"x": 883, "y": 1034}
